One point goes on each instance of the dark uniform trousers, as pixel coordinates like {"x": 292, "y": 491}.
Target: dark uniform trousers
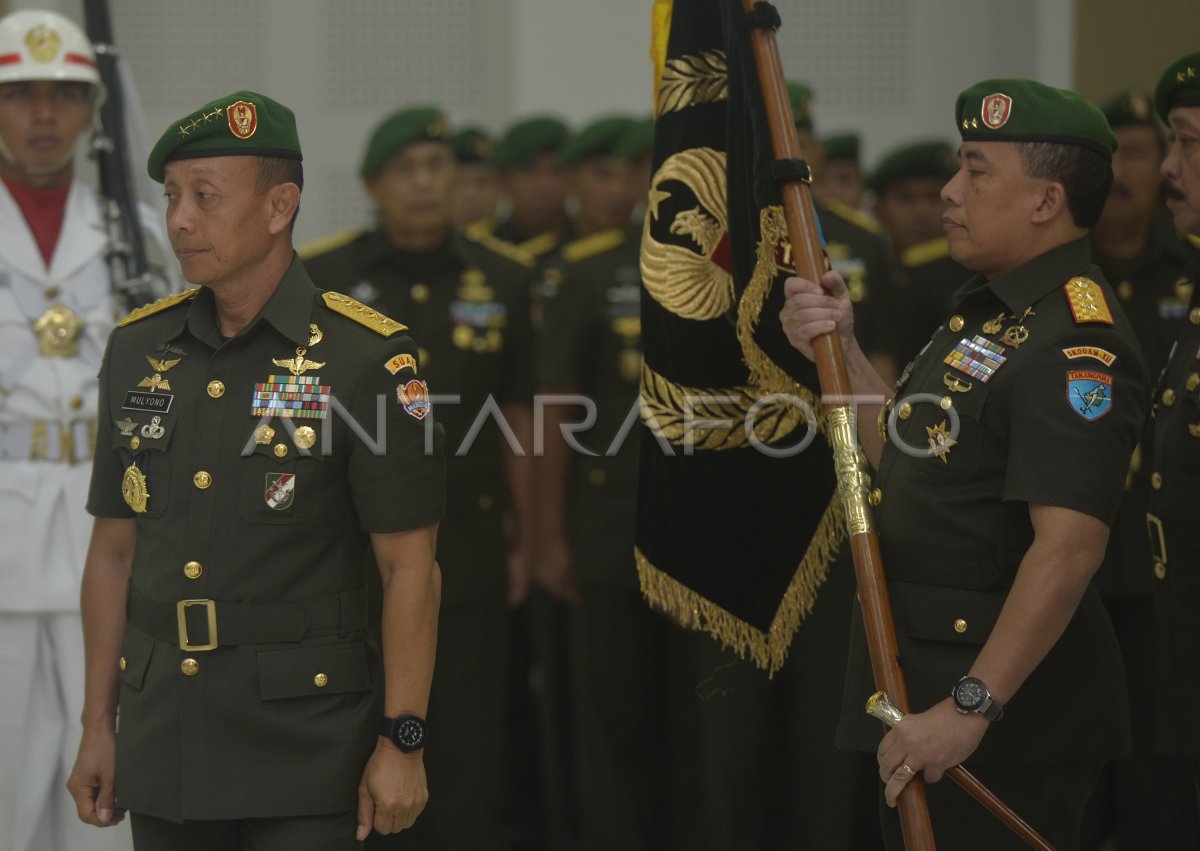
{"x": 471, "y": 303}
{"x": 316, "y": 833}
{"x": 1032, "y": 393}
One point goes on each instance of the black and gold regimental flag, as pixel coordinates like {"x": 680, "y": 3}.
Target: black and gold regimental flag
{"x": 738, "y": 521}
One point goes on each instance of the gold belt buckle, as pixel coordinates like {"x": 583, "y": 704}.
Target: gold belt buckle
{"x": 181, "y": 608}
{"x": 1158, "y": 541}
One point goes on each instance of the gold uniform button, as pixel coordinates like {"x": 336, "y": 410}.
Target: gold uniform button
{"x": 1125, "y": 290}
{"x": 320, "y": 681}
{"x": 419, "y": 293}
{"x": 947, "y": 403}
{"x": 216, "y": 389}
{"x": 121, "y": 663}
{"x": 202, "y": 480}
{"x": 956, "y": 323}
{"x": 1193, "y": 381}
{"x": 193, "y": 570}
{"x": 875, "y": 497}
{"x": 960, "y": 626}
{"x": 1156, "y": 481}
{"x": 53, "y": 292}
{"x": 905, "y": 411}
{"x": 190, "y": 667}
{"x": 76, "y": 403}
{"x": 1194, "y": 316}
{"x": 1160, "y": 570}
{"x": 135, "y": 442}
{"x": 597, "y": 477}
{"x": 1168, "y": 397}
{"x": 280, "y": 450}
{"x": 486, "y": 502}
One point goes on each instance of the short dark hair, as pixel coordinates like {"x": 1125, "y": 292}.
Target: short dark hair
{"x": 273, "y": 171}
{"x": 1085, "y": 174}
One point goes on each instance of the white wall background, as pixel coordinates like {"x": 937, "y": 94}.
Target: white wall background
{"x": 889, "y": 69}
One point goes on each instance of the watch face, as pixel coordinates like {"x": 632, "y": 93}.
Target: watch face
{"x": 970, "y": 693}
{"x": 410, "y": 734}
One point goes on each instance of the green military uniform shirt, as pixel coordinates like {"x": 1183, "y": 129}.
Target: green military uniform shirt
{"x": 1173, "y": 521}
{"x": 591, "y": 341}
{"x": 1033, "y": 392}
{"x": 255, "y": 467}
{"x": 928, "y": 278}
{"x": 468, "y": 304}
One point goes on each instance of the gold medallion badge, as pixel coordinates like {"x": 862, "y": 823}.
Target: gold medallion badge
{"x": 133, "y": 489}
{"x": 305, "y": 437}
{"x": 243, "y": 119}
{"x": 58, "y": 332}
{"x": 940, "y": 441}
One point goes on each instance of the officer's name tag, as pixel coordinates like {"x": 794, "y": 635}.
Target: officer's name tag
{"x": 136, "y": 400}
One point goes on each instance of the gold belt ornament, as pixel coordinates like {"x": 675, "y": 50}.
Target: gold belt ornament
{"x": 58, "y": 332}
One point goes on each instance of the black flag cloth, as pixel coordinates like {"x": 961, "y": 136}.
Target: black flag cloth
{"x": 737, "y": 519}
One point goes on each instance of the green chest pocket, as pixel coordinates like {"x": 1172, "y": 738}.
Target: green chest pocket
{"x": 278, "y": 482}
{"x": 943, "y": 428}
{"x": 143, "y": 442}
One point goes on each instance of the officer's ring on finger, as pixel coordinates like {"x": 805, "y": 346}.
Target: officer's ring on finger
{"x": 908, "y": 769}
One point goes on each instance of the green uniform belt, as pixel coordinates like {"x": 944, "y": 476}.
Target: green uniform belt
{"x": 207, "y": 624}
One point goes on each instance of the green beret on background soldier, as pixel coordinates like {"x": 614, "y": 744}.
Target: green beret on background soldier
{"x": 636, "y": 149}
{"x": 477, "y": 189}
{"x": 469, "y": 295}
{"x": 1173, "y": 518}
{"x": 842, "y": 178}
{"x": 907, "y": 184}
{"x": 235, "y": 497}
{"x": 1001, "y": 462}
{"x": 535, "y": 185}
{"x": 1147, "y": 800}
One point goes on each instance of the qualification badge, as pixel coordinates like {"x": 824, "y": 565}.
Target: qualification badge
{"x": 280, "y": 490}
{"x": 414, "y": 397}
{"x": 1089, "y": 393}
{"x": 133, "y": 489}
{"x": 940, "y": 441}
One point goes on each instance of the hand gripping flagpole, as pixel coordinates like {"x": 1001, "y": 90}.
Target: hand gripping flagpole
{"x": 848, "y": 459}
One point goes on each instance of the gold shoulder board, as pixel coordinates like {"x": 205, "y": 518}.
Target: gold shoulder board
{"x": 856, "y": 217}
{"x": 157, "y": 306}
{"x": 540, "y": 244}
{"x": 327, "y": 243}
{"x": 592, "y": 245}
{"x": 1087, "y": 301}
{"x": 925, "y": 253}
{"x": 501, "y": 247}
{"x": 362, "y": 314}
{"x": 479, "y": 227}
{"x": 1194, "y": 240}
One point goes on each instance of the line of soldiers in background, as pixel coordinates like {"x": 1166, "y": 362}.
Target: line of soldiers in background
{"x": 565, "y": 714}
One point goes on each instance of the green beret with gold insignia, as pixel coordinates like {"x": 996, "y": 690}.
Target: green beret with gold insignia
{"x": 1178, "y": 86}
{"x": 241, "y": 124}
{"x": 1128, "y": 109}
{"x": 529, "y": 137}
{"x": 637, "y": 142}
{"x": 402, "y": 128}
{"x": 472, "y": 145}
{"x": 801, "y": 96}
{"x": 841, "y": 147}
{"x": 598, "y": 139}
{"x": 920, "y": 159}
{"x": 1014, "y": 110}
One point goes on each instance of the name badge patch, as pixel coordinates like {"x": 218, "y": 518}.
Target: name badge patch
{"x": 1089, "y": 393}
{"x": 158, "y": 403}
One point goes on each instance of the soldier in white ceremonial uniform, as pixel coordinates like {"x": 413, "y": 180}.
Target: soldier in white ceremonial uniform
{"x": 57, "y": 306}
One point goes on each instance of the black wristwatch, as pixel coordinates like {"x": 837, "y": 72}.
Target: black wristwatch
{"x": 971, "y": 695}
{"x": 407, "y": 732}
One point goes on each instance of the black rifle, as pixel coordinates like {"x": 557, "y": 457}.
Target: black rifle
{"x": 129, "y": 267}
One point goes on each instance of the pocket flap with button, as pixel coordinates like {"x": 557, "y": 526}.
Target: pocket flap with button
{"x": 951, "y": 614}
{"x": 136, "y": 650}
{"x": 313, "y": 670}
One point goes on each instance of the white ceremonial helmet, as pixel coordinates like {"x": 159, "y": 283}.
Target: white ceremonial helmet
{"x": 36, "y": 44}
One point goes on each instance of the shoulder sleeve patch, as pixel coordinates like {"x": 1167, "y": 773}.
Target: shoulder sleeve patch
{"x": 504, "y": 249}
{"x": 925, "y": 253}
{"x": 158, "y": 306}
{"x": 855, "y": 217}
{"x": 327, "y": 243}
{"x": 1087, "y": 301}
{"x": 362, "y": 314}
{"x": 590, "y": 246}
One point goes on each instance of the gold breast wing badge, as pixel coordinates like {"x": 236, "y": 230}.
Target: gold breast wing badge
{"x": 299, "y": 364}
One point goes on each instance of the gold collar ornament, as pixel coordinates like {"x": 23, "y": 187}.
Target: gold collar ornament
{"x": 133, "y": 489}
{"x": 58, "y": 332}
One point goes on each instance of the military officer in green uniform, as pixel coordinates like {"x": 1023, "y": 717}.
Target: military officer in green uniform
{"x": 856, "y": 249}
{"x": 257, "y": 437}
{"x": 469, "y": 296}
{"x": 1174, "y": 514}
{"x": 1000, "y": 465}
{"x": 841, "y": 179}
{"x": 477, "y": 188}
{"x": 907, "y": 183}
{"x": 1146, "y": 800}
{"x": 535, "y": 184}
